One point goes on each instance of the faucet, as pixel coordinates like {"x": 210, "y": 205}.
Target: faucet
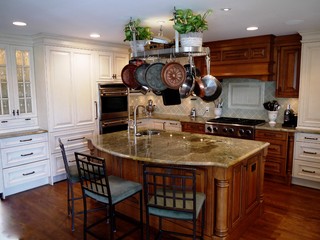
{"x": 135, "y": 118}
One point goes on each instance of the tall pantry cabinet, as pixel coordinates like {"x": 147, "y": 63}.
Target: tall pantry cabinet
{"x": 67, "y": 75}
{"x": 306, "y": 165}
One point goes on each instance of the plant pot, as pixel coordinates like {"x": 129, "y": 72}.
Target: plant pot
{"x": 139, "y": 45}
{"x": 272, "y": 115}
{"x": 191, "y": 39}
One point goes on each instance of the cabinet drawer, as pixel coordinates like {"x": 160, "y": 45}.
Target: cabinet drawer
{"x": 11, "y": 124}
{"x": 193, "y": 127}
{"x": 308, "y": 137}
{"x": 306, "y": 170}
{"x": 25, "y": 173}
{"x": 22, "y": 155}
{"x": 23, "y": 140}
{"x": 271, "y": 135}
{"x": 71, "y": 140}
{"x": 275, "y": 165}
{"x": 276, "y": 147}
{"x": 307, "y": 152}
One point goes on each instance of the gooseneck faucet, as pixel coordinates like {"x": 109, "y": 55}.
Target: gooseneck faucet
{"x": 135, "y": 118}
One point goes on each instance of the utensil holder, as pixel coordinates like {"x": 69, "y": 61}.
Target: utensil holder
{"x": 217, "y": 112}
{"x": 272, "y": 115}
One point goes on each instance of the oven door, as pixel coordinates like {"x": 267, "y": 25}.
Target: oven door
{"x": 113, "y": 106}
{"x": 109, "y": 126}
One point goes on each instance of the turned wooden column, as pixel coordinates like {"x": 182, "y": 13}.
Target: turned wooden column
{"x": 222, "y": 194}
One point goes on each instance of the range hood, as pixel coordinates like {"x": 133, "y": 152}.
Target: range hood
{"x": 242, "y": 58}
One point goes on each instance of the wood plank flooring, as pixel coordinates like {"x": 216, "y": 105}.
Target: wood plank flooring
{"x": 289, "y": 213}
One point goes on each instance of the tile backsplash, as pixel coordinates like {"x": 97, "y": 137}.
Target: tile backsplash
{"x": 194, "y": 102}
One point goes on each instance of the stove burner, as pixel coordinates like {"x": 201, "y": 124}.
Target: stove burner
{"x": 240, "y": 121}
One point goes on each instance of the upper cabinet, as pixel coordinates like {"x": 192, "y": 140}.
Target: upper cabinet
{"x": 287, "y": 55}
{"x": 110, "y": 65}
{"x": 309, "y": 114}
{"x": 17, "y": 90}
{"x": 243, "y": 58}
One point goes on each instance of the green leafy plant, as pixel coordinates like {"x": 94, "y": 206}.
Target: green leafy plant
{"x": 142, "y": 33}
{"x": 187, "y": 21}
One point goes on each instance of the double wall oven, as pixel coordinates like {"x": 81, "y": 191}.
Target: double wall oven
{"x": 113, "y": 108}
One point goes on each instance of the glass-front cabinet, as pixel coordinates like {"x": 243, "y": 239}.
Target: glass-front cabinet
{"x": 17, "y": 90}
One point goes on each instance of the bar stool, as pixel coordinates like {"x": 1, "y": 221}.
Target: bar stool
{"x": 108, "y": 190}
{"x": 72, "y": 178}
{"x": 170, "y": 192}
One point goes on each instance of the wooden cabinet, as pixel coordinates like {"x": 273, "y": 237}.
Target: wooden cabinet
{"x": 110, "y": 65}
{"x": 309, "y": 114}
{"x": 17, "y": 98}
{"x": 245, "y": 189}
{"x": 193, "y": 127}
{"x": 287, "y": 55}
{"x": 306, "y": 166}
{"x": 279, "y": 159}
{"x": 244, "y": 57}
{"x": 25, "y": 162}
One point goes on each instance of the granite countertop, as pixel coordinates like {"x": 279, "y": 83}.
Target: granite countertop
{"x": 22, "y": 133}
{"x": 276, "y": 127}
{"x": 178, "y": 148}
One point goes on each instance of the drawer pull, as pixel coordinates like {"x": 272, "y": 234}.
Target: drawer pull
{"x": 76, "y": 139}
{"x": 26, "y": 174}
{"x": 28, "y": 154}
{"x": 71, "y": 161}
{"x": 313, "y": 153}
{"x": 308, "y": 171}
{"x": 4, "y": 121}
{"x": 26, "y": 140}
{"x": 310, "y": 138}
{"x": 175, "y": 124}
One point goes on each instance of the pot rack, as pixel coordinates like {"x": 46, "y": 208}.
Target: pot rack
{"x": 173, "y": 52}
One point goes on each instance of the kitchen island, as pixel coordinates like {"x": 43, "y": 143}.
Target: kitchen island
{"x": 229, "y": 171}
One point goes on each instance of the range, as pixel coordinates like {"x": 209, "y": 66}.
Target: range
{"x": 233, "y": 127}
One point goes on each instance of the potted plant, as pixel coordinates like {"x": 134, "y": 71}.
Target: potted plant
{"x": 190, "y": 26}
{"x": 142, "y": 34}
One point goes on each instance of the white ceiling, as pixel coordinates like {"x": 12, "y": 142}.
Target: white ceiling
{"x": 79, "y": 18}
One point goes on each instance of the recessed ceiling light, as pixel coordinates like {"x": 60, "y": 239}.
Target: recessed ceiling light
{"x": 19, "y": 23}
{"x": 226, "y": 9}
{"x": 252, "y": 28}
{"x": 95, "y": 35}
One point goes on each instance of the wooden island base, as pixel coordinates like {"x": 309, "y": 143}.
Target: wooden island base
{"x": 234, "y": 195}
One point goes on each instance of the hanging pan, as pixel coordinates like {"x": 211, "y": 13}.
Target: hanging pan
{"x": 153, "y": 77}
{"x": 173, "y": 74}
{"x": 212, "y": 86}
{"x": 127, "y": 76}
{"x": 187, "y": 86}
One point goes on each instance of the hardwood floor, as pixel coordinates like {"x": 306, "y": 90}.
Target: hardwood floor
{"x": 289, "y": 213}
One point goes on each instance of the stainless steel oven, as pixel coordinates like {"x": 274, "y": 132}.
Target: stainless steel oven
{"x": 113, "y": 107}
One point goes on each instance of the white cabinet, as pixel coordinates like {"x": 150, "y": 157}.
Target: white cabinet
{"x": 17, "y": 89}
{"x": 24, "y": 162}
{"x": 110, "y": 65}
{"x": 70, "y": 88}
{"x": 306, "y": 165}
{"x": 309, "y": 114}
{"x": 167, "y": 125}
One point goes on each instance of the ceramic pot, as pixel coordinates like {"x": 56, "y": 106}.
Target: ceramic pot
{"x": 191, "y": 39}
{"x": 272, "y": 115}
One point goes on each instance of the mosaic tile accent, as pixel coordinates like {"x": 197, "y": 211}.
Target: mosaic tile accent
{"x": 194, "y": 102}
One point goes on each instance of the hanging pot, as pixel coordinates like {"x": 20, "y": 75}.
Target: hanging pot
{"x": 212, "y": 86}
{"x": 153, "y": 77}
{"x": 187, "y": 86}
{"x": 199, "y": 87}
{"x": 173, "y": 74}
{"x": 127, "y": 76}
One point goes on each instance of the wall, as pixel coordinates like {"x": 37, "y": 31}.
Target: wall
{"x": 187, "y": 104}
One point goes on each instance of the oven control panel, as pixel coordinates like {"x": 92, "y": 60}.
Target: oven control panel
{"x": 235, "y": 131}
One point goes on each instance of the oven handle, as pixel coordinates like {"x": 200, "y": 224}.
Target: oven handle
{"x": 96, "y": 106}
{"x": 122, "y": 93}
{"x": 113, "y": 123}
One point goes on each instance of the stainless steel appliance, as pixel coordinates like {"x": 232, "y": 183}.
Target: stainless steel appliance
{"x": 232, "y": 127}
{"x": 113, "y": 107}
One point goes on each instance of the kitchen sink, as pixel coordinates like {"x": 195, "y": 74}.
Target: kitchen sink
{"x": 148, "y": 132}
